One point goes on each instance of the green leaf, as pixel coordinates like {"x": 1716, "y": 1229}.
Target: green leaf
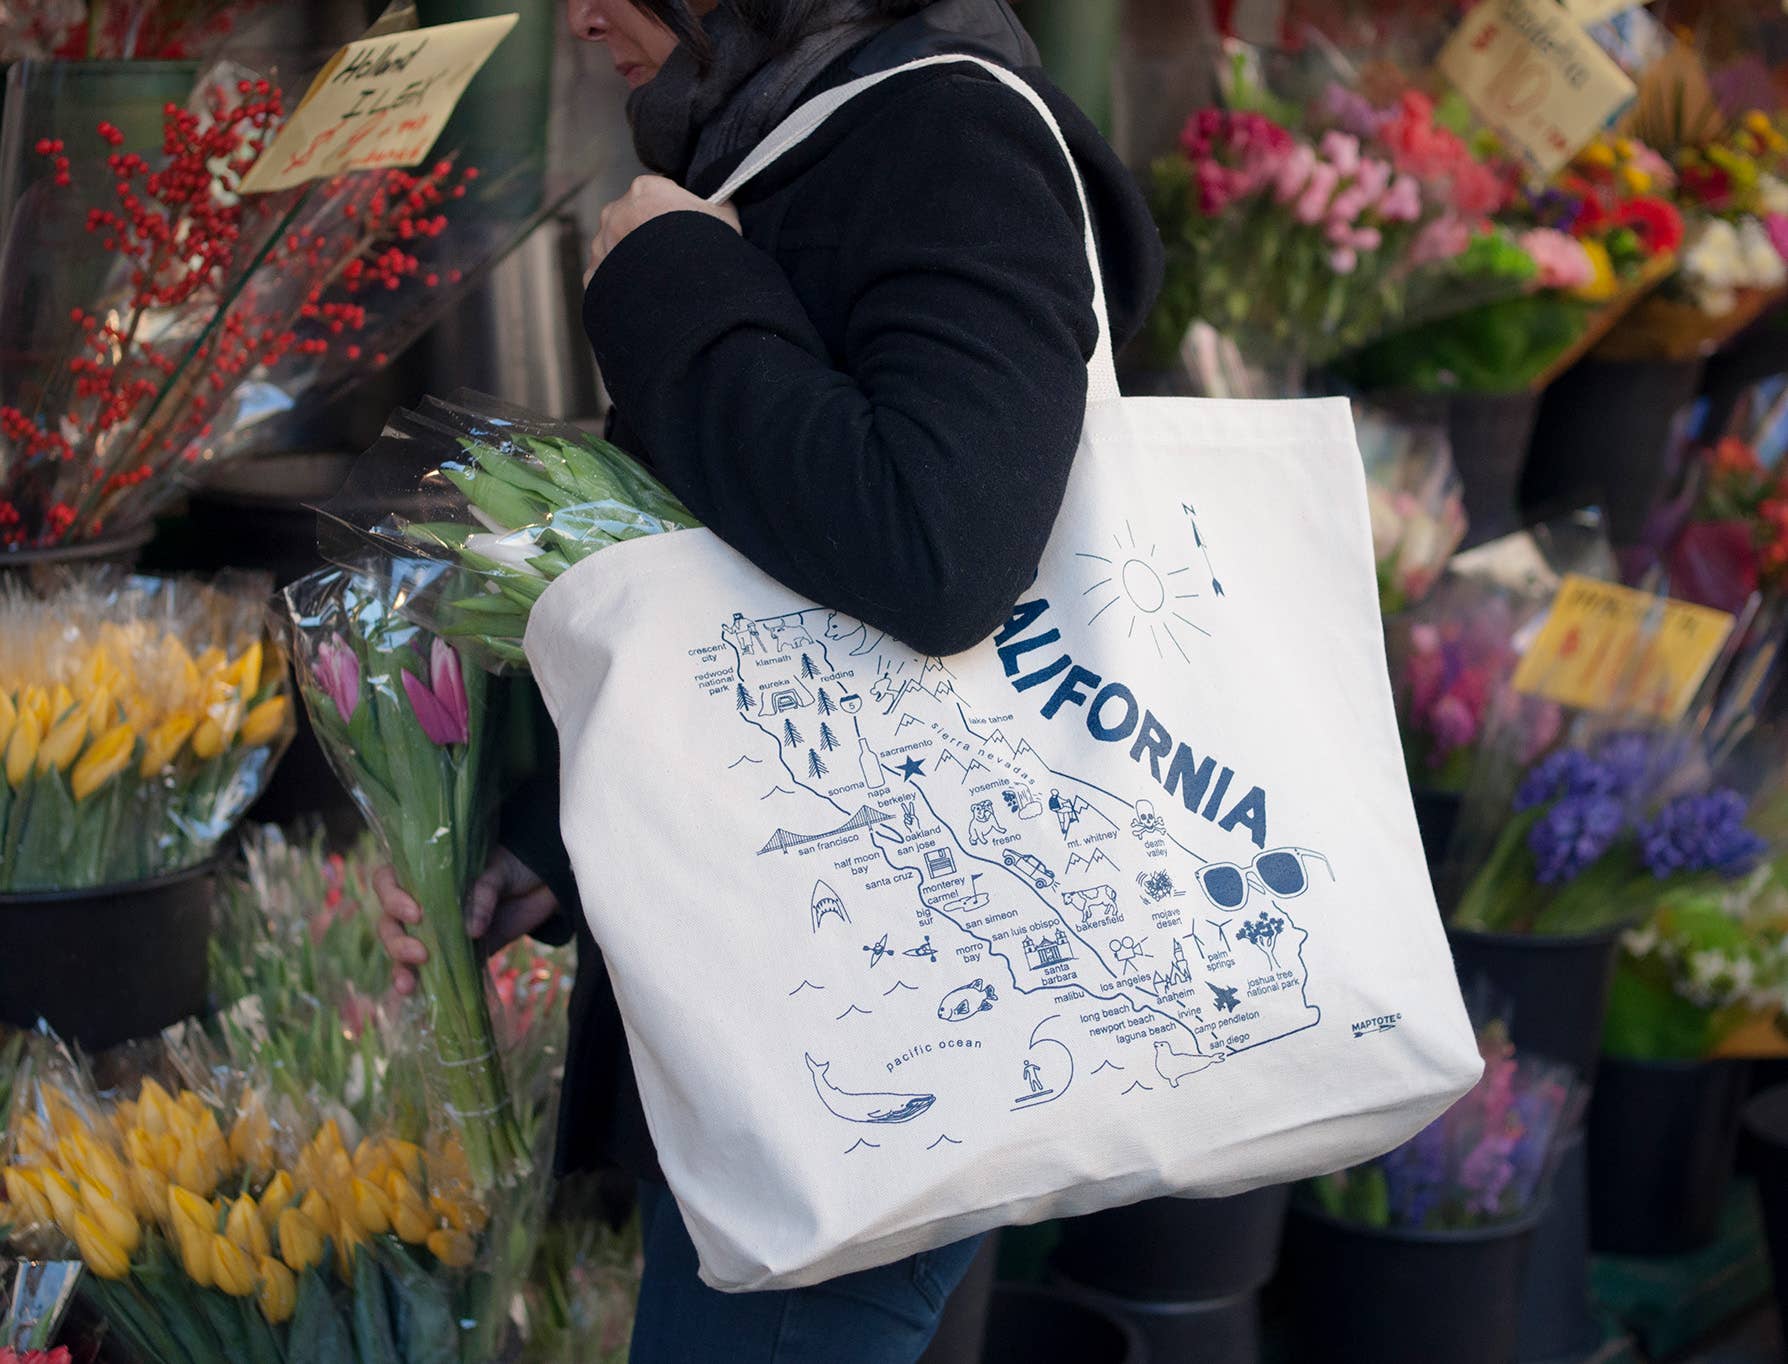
{"x": 318, "y": 1335}
{"x": 427, "y": 1332}
{"x": 373, "y": 1341}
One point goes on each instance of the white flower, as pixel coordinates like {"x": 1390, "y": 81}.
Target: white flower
{"x": 1640, "y": 942}
{"x": 1763, "y": 264}
{"x": 511, "y": 549}
{"x": 1773, "y": 194}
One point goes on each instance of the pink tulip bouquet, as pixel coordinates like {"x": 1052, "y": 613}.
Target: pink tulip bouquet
{"x": 404, "y": 722}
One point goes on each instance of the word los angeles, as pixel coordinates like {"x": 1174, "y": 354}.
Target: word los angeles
{"x": 1113, "y": 715}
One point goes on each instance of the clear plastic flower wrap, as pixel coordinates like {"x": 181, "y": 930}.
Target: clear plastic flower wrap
{"x": 499, "y": 503}
{"x": 1487, "y": 1160}
{"x": 1417, "y": 504}
{"x": 221, "y": 1223}
{"x": 407, "y": 727}
{"x": 139, "y": 719}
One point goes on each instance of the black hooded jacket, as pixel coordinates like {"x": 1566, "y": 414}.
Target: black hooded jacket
{"x": 874, "y": 393}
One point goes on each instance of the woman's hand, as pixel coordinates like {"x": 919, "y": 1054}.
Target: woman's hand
{"x": 651, "y": 196}
{"x": 507, "y": 902}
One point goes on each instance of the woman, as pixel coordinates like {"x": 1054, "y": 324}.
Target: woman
{"x": 867, "y": 375}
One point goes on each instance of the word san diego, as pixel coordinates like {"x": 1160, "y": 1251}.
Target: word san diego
{"x": 1113, "y": 715}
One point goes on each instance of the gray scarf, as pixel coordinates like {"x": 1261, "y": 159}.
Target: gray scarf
{"x": 687, "y": 120}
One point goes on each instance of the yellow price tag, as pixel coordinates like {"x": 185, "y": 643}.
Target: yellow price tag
{"x": 380, "y": 103}
{"x": 1608, "y": 648}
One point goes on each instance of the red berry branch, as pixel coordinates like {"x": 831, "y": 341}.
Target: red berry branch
{"x": 211, "y": 288}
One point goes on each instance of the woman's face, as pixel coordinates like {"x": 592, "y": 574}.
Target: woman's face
{"x": 636, "y": 41}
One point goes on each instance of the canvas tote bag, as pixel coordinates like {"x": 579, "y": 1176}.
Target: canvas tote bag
{"x": 1126, "y": 901}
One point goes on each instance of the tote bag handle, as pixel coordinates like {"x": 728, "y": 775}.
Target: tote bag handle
{"x": 1102, "y": 385}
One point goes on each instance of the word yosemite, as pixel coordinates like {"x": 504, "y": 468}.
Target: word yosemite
{"x": 1113, "y": 716}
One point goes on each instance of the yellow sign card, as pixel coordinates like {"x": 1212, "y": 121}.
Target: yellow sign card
{"x": 1610, "y": 649}
{"x": 1533, "y": 74}
{"x": 380, "y": 103}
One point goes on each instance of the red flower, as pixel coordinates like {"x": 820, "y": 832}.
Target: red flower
{"x": 1708, "y": 184}
{"x": 1732, "y": 458}
{"x": 1715, "y": 563}
{"x": 1656, "y": 224}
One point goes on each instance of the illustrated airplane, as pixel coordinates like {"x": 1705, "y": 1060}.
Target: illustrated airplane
{"x": 1226, "y": 997}
{"x": 924, "y": 949}
{"x": 878, "y": 951}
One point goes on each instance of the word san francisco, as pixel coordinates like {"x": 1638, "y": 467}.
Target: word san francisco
{"x": 1113, "y": 716}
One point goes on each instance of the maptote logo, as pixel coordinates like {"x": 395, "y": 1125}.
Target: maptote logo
{"x": 1373, "y": 1025}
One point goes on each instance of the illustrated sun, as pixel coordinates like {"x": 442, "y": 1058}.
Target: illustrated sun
{"x": 1139, "y": 583}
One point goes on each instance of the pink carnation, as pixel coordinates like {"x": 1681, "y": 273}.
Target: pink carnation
{"x": 1563, "y": 262}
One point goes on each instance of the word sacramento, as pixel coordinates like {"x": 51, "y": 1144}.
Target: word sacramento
{"x": 1113, "y": 715}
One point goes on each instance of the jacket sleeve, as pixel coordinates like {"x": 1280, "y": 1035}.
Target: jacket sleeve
{"x": 912, "y": 480}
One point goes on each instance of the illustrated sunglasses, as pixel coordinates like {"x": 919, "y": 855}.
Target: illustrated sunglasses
{"x": 1278, "y": 871}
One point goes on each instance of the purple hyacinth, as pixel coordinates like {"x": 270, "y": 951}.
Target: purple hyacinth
{"x": 1701, "y": 833}
{"x": 1631, "y": 756}
{"x": 1415, "y": 1174}
{"x": 1566, "y": 773}
{"x": 1572, "y": 835}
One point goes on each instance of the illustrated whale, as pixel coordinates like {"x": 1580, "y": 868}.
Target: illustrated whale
{"x": 865, "y": 1107}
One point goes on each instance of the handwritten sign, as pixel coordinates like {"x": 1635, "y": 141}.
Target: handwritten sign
{"x": 1534, "y": 75}
{"x": 380, "y": 103}
{"x": 1610, "y": 649}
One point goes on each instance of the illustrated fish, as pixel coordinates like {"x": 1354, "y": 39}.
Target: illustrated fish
{"x": 842, "y": 1103}
{"x": 966, "y": 1001}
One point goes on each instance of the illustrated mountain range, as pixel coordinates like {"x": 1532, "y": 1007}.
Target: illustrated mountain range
{"x": 1089, "y": 863}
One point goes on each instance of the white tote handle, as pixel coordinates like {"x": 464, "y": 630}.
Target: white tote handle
{"x": 1102, "y": 385}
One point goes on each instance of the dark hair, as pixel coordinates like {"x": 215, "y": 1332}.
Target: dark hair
{"x": 783, "y": 22}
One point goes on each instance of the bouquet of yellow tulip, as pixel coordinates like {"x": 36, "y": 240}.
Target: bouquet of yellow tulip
{"x": 139, "y": 718}
{"x": 235, "y": 1232}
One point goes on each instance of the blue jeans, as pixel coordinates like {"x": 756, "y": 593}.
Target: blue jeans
{"x": 880, "y": 1316}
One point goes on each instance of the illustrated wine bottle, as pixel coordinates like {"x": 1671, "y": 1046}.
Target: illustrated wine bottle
{"x": 873, "y": 780}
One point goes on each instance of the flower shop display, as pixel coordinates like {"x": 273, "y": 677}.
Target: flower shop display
{"x": 1305, "y": 244}
{"x": 1597, "y": 832}
{"x": 584, "y": 1285}
{"x": 404, "y": 721}
{"x": 139, "y": 719}
{"x": 1449, "y": 1217}
{"x": 232, "y": 1230}
{"x": 1603, "y": 233}
{"x": 132, "y": 365}
{"x": 1732, "y": 188}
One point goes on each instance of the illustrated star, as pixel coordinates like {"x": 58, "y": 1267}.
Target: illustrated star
{"x": 912, "y": 767}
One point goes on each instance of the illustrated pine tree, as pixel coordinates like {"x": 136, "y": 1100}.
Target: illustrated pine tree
{"x": 825, "y": 703}
{"x": 791, "y": 735}
{"x": 742, "y": 698}
{"x": 815, "y": 768}
{"x": 827, "y": 740}
{"x": 808, "y": 670}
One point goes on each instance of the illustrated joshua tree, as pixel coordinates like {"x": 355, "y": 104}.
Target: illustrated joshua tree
{"x": 1263, "y": 932}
